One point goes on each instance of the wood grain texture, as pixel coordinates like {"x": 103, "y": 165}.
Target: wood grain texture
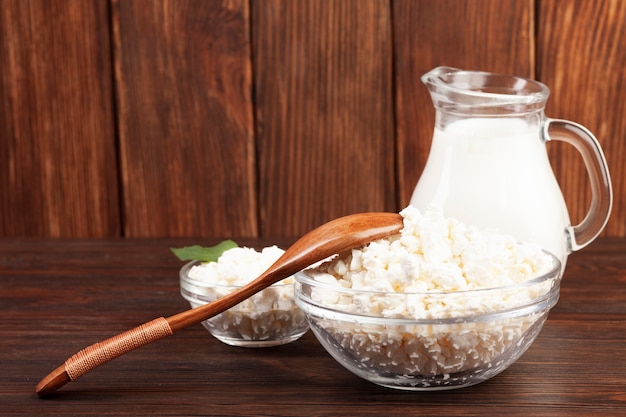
{"x": 325, "y": 133}
{"x": 582, "y": 58}
{"x": 243, "y": 118}
{"x": 486, "y": 35}
{"x": 185, "y": 118}
{"x": 574, "y": 368}
{"x": 58, "y": 174}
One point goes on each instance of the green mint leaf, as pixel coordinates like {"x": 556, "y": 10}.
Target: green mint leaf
{"x": 200, "y": 253}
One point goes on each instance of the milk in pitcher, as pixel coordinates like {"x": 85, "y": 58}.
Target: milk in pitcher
{"x": 494, "y": 173}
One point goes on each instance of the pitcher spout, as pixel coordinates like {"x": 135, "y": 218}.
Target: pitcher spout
{"x": 483, "y": 93}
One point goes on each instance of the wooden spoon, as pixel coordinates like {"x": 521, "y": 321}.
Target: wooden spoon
{"x": 331, "y": 238}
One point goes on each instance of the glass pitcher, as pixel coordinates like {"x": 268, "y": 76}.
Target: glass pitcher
{"x": 488, "y": 165}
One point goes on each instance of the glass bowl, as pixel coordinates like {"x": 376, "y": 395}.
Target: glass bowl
{"x": 430, "y": 340}
{"x": 268, "y": 318}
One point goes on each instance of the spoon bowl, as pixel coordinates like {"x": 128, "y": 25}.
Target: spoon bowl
{"x": 329, "y": 239}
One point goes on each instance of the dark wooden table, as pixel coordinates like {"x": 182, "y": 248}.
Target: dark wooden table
{"x": 57, "y": 297}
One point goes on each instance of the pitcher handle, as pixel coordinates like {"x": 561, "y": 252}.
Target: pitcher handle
{"x": 601, "y": 192}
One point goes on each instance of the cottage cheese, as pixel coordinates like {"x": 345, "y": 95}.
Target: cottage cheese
{"x": 405, "y": 277}
{"x": 270, "y": 315}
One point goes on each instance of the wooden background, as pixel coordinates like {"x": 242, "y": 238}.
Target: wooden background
{"x": 245, "y": 118}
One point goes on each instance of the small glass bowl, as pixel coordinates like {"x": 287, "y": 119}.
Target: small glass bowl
{"x": 459, "y": 339}
{"x": 268, "y": 318}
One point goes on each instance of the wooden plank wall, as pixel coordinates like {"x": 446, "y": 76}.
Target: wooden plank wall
{"x": 243, "y": 118}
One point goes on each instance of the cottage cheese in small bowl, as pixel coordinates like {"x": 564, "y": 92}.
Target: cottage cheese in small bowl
{"x": 441, "y": 305}
{"x": 268, "y": 318}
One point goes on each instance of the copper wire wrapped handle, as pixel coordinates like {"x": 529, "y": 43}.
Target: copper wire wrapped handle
{"x": 99, "y": 353}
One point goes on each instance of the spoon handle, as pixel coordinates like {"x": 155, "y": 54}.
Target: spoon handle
{"x": 99, "y": 353}
{"x": 102, "y": 352}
